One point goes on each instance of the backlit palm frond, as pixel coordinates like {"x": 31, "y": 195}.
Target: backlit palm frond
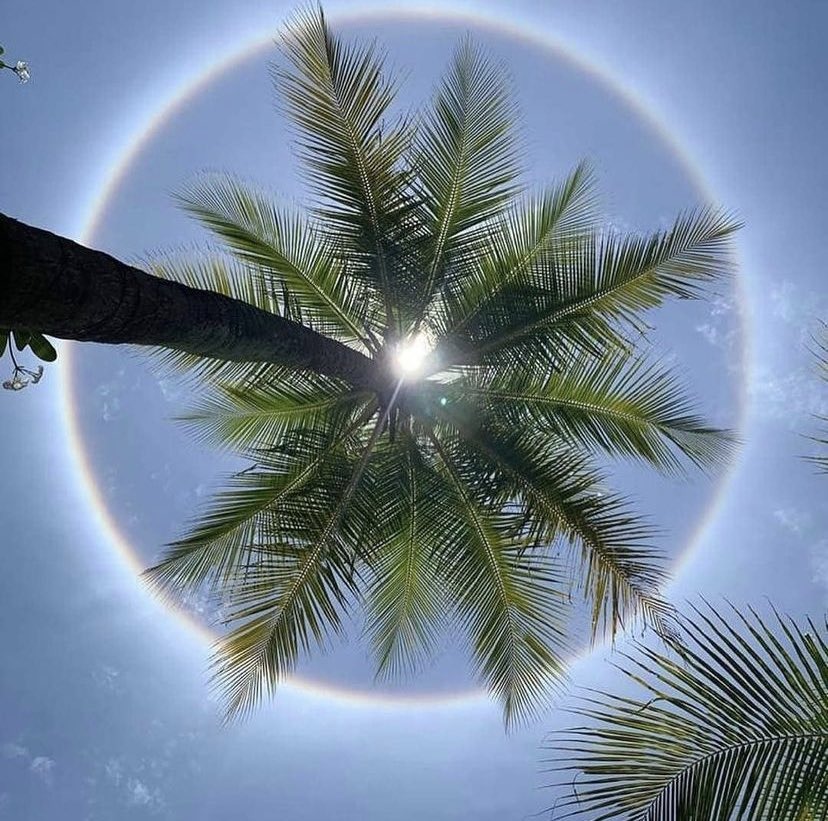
{"x": 406, "y": 603}
{"x": 565, "y": 502}
{"x": 513, "y": 606}
{"x": 596, "y": 288}
{"x": 244, "y": 514}
{"x": 736, "y": 727}
{"x": 297, "y": 264}
{"x": 247, "y": 419}
{"x": 352, "y": 146}
{"x": 821, "y": 354}
{"x": 613, "y": 403}
{"x": 526, "y": 237}
{"x": 302, "y": 581}
{"x": 465, "y": 156}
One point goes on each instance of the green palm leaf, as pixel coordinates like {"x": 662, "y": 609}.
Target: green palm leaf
{"x": 225, "y": 540}
{"x": 735, "y": 727}
{"x": 340, "y": 99}
{"x": 465, "y": 156}
{"x": 297, "y": 587}
{"x": 562, "y": 497}
{"x": 594, "y": 287}
{"x": 406, "y": 601}
{"x": 286, "y": 249}
{"x": 527, "y": 237}
{"x": 512, "y": 606}
{"x": 248, "y": 419}
{"x": 622, "y": 406}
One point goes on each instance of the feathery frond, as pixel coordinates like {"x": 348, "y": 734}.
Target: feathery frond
{"x": 406, "y": 602}
{"x": 526, "y": 237}
{"x": 593, "y": 289}
{"x": 288, "y": 252}
{"x": 511, "y": 605}
{"x": 623, "y": 406}
{"x": 340, "y": 99}
{"x": 465, "y": 156}
{"x": 821, "y": 354}
{"x": 734, "y": 727}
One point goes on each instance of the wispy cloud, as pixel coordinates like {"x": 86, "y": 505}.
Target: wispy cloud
{"x": 106, "y": 677}
{"x": 796, "y": 307}
{"x": 131, "y": 784}
{"x": 12, "y": 750}
{"x": 788, "y": 395}
{"x": 43, "y": 767}
{"x": 723, "y": 327}
{"x": 39, "y": 765}
{"x": 140, "y": 795}
{"x": 792, "y": 519}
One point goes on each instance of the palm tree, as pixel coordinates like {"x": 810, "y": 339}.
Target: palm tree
{"x": 734, "y": 727}
{"x": 426, "y": 370}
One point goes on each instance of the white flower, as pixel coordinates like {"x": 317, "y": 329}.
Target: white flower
{"x": 37, "y": 375}
{"x": 17, "y": 382}
{"x": 22, "y": 71}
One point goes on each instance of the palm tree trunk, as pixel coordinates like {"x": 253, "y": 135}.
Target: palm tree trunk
{"x": 57, "y": 287}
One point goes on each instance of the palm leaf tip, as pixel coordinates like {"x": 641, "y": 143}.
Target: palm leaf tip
{"x": 820, "y": 354}
{"x": 733, "y": 727}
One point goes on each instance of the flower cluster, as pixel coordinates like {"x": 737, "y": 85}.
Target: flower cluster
{"x": 22, "y": 377}
{"x": 21, "y": 69}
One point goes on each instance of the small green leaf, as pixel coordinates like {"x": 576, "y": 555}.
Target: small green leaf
{"x": 42, "y": 348}
{"x": 21, "y": 338}
{"x": 2, "y": 64}
{"x": 2, "y": 50}
{"x": 4, "y": 340}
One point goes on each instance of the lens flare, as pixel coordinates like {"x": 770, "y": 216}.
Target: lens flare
{"x": 411, "y": 355}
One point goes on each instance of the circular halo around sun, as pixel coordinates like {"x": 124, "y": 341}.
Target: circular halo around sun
{"x": 410, "y": 355}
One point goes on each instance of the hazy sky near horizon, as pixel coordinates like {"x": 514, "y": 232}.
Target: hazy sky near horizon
{"x": 104, "y": 705}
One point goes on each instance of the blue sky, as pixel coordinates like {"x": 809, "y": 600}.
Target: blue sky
{"x": 106, "y": 710}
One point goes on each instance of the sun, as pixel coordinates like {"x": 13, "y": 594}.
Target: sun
{"x": 411, "y": 355}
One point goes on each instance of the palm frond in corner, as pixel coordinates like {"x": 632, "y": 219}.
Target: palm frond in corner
{"x": 736, "y": 727}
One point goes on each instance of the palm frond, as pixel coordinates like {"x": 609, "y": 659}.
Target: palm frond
{"x": 249, "y": 418}
{"x": 340, "y": 99}
{"x": 736, "y": 727}
{"x": 613, "y": 403}
{"x": 512, "y": 606}
{"x": 526, "y": 237}
{"x": 297, "y": 589}
{"x": 565, "y": 500}
{"x": 224, "y": 541}
{"x": 406, "y": 602}
{"x": 465, "y": 155}
{"x": 594, "y": 287}
{"x": 288, "y": 252}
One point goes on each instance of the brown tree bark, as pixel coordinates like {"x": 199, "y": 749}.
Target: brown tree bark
{"x": 57, "y": 287}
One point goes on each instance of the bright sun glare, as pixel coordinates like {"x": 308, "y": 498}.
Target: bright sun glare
{"x": 411, "y": 355}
